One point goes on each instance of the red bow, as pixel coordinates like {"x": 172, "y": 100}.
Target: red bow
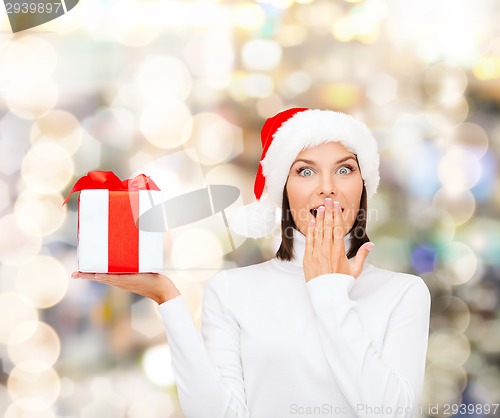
{"x": 109, "y": 180}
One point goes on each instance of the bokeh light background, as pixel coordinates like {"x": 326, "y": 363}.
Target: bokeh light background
{"x": 119, "y": 84}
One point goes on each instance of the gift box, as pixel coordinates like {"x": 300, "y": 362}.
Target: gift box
{"x": 110, "y": 238}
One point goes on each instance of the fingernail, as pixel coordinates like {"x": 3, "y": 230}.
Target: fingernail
{"x": 328, "y": 202}
{"x": 321, "y": 208}
{"x": 336, "y": 205}
{"x": 370, "y": 246}
{"x": 312, "y": 222}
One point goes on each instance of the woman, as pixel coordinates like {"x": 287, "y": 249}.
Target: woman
{"x": 315, "y": 331}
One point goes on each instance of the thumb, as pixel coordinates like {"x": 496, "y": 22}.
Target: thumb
{"x": 361, "y": 255}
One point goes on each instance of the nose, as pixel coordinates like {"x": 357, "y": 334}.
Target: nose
{"x": 327, "y": 187}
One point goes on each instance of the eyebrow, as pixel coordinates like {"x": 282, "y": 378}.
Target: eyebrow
{"x": 350, "y": 157}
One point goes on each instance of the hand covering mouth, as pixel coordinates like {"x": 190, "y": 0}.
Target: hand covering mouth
{"x": 314, "y": 211}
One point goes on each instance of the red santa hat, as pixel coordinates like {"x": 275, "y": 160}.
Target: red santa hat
{"x": 283, "y": 137}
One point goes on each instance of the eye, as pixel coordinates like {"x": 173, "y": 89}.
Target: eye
{"x": 345, "y": 169}
{"x": 305, "y": 172}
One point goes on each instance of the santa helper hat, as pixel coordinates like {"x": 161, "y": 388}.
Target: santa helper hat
{"x": 283, "y": 137}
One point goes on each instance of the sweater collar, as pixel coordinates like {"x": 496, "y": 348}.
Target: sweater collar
{"x": 299, "y": 246}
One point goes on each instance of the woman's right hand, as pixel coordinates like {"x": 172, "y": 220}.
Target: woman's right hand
{"x": 151, "y": 285}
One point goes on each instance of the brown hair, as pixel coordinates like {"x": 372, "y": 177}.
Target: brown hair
{"x": 357, "y": 232}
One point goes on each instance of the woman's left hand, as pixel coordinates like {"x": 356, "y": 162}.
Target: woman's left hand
{"x": 157, "y": 287}
{"x": 325, "y": 251}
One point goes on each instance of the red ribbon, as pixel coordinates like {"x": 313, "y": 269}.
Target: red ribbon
{"x": 109, "y": 180}
{"x": 123, "y": 235}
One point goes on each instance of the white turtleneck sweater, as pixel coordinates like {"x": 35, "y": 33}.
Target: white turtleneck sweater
{"x": 274, "y": 346}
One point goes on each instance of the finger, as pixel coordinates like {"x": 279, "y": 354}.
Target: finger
{"x": 310, "y": 237}
{"x": 338, "y": 229}
{"x": 80, "y": 275}
{"x": 360, "y": 257}
{"x": 318, "y": 232}
{"x": 328, "y": 221}
{"x": 114, "y": 279}
{"x": 126, "y": 281}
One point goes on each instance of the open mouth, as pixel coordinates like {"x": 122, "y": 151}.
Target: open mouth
{"x": 314, "y": 211}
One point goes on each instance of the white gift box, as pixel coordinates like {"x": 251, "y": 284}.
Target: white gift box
{"x": 110, "y": 239}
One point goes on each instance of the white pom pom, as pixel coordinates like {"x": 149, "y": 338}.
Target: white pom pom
{"x": 255, "y": 220}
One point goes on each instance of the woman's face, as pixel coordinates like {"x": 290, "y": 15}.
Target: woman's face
{"x": 326, "y": 170}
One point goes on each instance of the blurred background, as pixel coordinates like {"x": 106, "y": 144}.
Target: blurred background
{"x": 180, "y": 89}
